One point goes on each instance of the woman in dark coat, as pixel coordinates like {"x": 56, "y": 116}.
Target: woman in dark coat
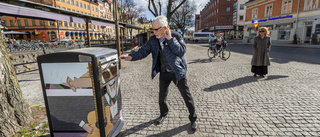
{"x": 261, "y": 47}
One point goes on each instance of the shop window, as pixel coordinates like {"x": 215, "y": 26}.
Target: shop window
{"x": 268, "y": 12}
{"x": 284, "y": 32}
{"x": 286, "y": 6}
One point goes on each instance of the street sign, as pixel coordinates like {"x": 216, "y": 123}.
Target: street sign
{"x": 255, "y": 25}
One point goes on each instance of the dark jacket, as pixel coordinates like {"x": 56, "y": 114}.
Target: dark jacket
{"x": 261, "y": 48}
{"x": 174, "y": 50}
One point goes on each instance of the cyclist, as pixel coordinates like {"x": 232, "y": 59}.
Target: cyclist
{"x": 219, "y": 41}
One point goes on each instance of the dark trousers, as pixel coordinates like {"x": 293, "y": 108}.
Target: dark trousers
{"x": 165, "y": 80}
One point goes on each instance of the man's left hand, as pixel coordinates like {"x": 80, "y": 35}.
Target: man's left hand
{"x": 167, "y": 33}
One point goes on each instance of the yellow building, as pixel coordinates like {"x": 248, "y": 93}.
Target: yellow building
{"x": 48, "y": 30}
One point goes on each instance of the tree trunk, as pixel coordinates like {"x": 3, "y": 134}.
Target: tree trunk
{"x": 14, "y": 110}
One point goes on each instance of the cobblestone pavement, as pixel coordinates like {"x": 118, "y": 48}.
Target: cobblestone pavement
{"x": 229, "y": 100}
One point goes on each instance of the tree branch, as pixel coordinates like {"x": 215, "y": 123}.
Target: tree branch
{"x": 150, "y": 9}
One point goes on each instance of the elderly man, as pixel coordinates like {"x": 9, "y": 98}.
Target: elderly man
{"x": 168, "y": 49}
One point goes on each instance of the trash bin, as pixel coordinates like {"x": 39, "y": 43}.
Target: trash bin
{"x": 81, "y": 90}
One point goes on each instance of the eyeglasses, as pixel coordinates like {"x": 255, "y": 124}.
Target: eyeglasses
{"x": 261, "y": 31}
{"x": 156, "y": 29}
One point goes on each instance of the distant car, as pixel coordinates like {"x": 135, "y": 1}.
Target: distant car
{"x": 204, "y": 36}
{"x": 62, "y": 41}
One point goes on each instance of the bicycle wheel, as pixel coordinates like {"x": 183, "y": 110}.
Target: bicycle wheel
{"x": 225, "y": 53}
{"x": 211, "y": 53}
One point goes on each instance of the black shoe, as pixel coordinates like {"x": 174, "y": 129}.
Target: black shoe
{"x": 194, "y": 126}
{"x": 255, "y": 75}
{"x": 159, "y": 120}
{"x": 262, "y": 76}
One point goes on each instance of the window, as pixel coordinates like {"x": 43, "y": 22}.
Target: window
{"x": 4, "y": 23}
{"x": 33, "y": 22}
{"x": 228, "y": 0}
{"x": 68, "y": 9}
{"x": 96, "y": 9}
{"x": 51, "y": 23}
{"x": 64, "y": 8}
{"x": 92, "y": 8}
{"x": 26, "y": 23}
{"x": 68, "y": 1}
{"x": 60, "y": 23}
{"x": 73, "y": 10}
{"x": 310, "y": 4}
{"x": 80, "y": 5}
{"x": 11, "y": 23}
{"x": 58, "y": 7}
{"x": 75, "y": 25}
{"x": 286, "y": 6}
{"x": 228, "y": 9}
{"x": 88, "y": 7}
{"x": 62, "y": 0}
{"x": 72, "y": 2}
{"x": 268, "y": 12}
{"x": 241, "y": 6}
{"x": 77, "y": 3}
{"x": 70, "y": 24}
{"x": 19, "y": 23}
{"x": 241, "y": 18}
{"x": 84, "y": 6}
{"x": 255, "y": 13}
{"x": 227, "y": 19}
{"x": 41, "y": 22}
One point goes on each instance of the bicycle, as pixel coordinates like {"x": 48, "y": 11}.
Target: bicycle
{"x": 223, "y": 52}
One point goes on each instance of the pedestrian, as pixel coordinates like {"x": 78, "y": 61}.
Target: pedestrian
{"x": 261, "y": 47}
{"x": 219, "y": 41}
{"x": 168, "y": 49}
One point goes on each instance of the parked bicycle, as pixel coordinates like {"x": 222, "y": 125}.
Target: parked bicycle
{"x": 223, "y": 52}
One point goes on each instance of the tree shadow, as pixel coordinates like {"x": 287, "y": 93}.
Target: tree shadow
{"x": 29, "y": 80}
{"x": 136, "y": 128}
{"x": 203, "y": 61}
{"x": 240, "y": 81}
{"x": 174, "y": 131}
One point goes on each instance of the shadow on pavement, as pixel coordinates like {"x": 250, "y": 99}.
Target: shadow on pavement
{"x": 29, "y": 80}
{"x": 136, "y": 128}
{"x": 203, "y": 61}
{"x": 174, "y": 131}
{"x": 240, "y": 81}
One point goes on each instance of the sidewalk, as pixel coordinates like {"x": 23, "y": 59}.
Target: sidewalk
{"x": 280, "y": 44}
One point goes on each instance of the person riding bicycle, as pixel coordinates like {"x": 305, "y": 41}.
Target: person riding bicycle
{"x": 219, "y": 41}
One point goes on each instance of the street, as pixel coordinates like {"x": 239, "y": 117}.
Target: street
{"x": 229, "y": 100}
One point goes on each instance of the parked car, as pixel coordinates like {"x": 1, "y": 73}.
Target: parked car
{"x": 203, "y": 36}
{"x": 62, "y": 41}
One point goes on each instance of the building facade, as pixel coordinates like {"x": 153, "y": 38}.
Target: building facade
{"x": 197, "y": 23}
{"x": 239, "y": 12}
{"x": 217, "y": 17}
{"x": 284, "y": 19}
{"x": 44, "y": 30}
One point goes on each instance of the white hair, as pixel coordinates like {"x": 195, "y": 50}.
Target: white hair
{"x": 162, "y": 20}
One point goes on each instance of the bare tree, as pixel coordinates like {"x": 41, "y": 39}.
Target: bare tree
{"x": 130, "y": 12}
{"x": 14, "y": 110}
{"x": 184, "y": 16}
{"x": 156, "y": 11}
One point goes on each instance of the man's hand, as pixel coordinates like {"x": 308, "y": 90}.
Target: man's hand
{"x": 167, "y": 33}
{"x": 126, "y": 57}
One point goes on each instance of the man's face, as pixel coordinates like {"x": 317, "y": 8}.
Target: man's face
{"x": 158, "y": 30}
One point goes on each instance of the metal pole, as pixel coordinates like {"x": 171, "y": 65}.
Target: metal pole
{"x": 297, "y": 17}
{"x": 115, "y": 10}
{"x": 88, "y": 35}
